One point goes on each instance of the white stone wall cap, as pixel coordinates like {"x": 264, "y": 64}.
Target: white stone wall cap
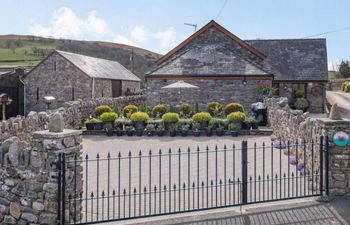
{"x": 65, "y": 133}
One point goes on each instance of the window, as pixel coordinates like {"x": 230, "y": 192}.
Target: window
{"x": 72, "y": 93}
{"x": 102, "y": 92}
{"x": 37, "y": 94}
{"x": 54, "y": 66}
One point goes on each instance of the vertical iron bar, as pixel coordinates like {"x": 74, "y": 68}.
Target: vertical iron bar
{"x": 119, "y": 172}
{"x": 129, "y": 183}
{"x": 234, "y": 172}
{"x": 304, "y": 167}
{"x": 225, "y": 174}
{"x": 216, "y": 175}
{"x": 140, "y": 191}
{"x": 98, "y": 182}
{"x": 327, "y": 165}
{"x": 288, "y": 149}
{"x": 321, "y": 165}
{"x": 296, "y": 168}
{"x": 59, "y": 188}
{"x": 179, "y": 182}
{"x": 169, "y": 179}
{"x": 189, "y": 176}
{"x": 108, "y": 180}
{"x": 63, "y": 188}
{"x": 244, "y": 173}
{"x": 150, "y": 182}
{"x": 255, "y": 171}
{"x": 312, "y": 167}
{"x": 198, "y": 185}
{"x": 280, "y": 178}
{"x": 263, "y": 178}
{"x": 86, "y": 185}
{"x": 272, "y": 171}
{"x": 207, "y": 163}
{"x": 75, "y": 188}
{"x": 160, "y": 181}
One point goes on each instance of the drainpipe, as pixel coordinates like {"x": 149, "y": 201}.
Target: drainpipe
{"x": 24, "y": 95}
{"x": 93, "y": 88}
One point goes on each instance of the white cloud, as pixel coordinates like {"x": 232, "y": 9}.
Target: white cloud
{"x": 65, "y": 23}
{"x": 166, "y": 37}
{"x": 123, "y": 40}
{"x": 140, "y": 34}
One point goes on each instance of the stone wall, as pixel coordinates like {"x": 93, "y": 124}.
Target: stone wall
{"x": 103, "y": 88}
{"x": 292, "y": 125}
{"x": 223, "y": 91}
{"x": 335, "y": 84}
{"x": 133, "y": 86}
{"x": 28, "y": 176}
{"x": 57, "y": 77}
{"x": 74, "y": 113}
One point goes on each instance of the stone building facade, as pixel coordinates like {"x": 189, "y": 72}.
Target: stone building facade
{"x": 67, "y": 76}
{"x": 226, "y": 68}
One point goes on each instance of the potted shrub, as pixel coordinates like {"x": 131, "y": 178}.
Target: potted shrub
{"x": 139, "y": 119}
{"x": 220, "y": 130}
{"x": 185, "y": 110}
{"x": 109, "y": 129}
{"x": 150, "y": 128}
{"x": 120, "y": 123}
{"x": 183, "y": 128}
{"x": 172, "y": 130}
{"x": 102, "y": 109}
{"x": 233, "y": 107}
{"x": 94, "y": 124}
{"x": 129, "y": 130}
{"x": 196, "y": 131}
{"x": 214, "y": 109}
{"x": 209, "y": 131}
{"x": 248, "y": 122}
{"x": 158, "y": 110}
{"x": 234, "y": 129}
{"x": 108, "y": 118}
{"x": 202, "y": 118}
{"x": 119, "y": 131}
{"x": 129, "y": 110}
{"x": 169, "y": 119}
{"x": 160, "y": 130}
{"x": 215, "y": 122}
{"x": 236, "y": 119}
{"x": 301, "y": 104}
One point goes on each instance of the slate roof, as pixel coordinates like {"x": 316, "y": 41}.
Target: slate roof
{"x": 294, "y": 59}
{"x": 99, "y": 68}
{"x": 209, "y": 59}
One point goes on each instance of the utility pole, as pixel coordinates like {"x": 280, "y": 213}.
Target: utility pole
{"x": 132, "y": 60}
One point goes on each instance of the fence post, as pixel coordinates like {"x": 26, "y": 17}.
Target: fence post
{"x": 244, "y": 172}
{"x": 59, "y": 184}
{"x": 321, "y": 165}
{"x": 327, "y": 166}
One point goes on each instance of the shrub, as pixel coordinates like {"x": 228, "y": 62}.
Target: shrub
{"x": 301, "y": 103}
{"x": 158, "y": 110}
{"x": 185, "y": 121}
{"x": 139, "y": 117}
{"x": 299, "y": 93}
{"x": 143, "y": 107}
{"x": 214, "y": 108}
{"x": 236, "y": 117}
{"x": 235, "y": 127}
{"x": 122, "y": 121}
{"x": 345, "y": 87}
{"x": 102, "y": 109}
{"x": 116, "y": 108}
{"x": 201, "y": 117}
{"x": 108, "y": 116}
{"x": 170, "y": 117}
{"x": 196, "y": 108}
{"x": 216, "y": 122}
{"x": 185, "y": 110}
{"x": 93, "y": 120}
{"x": 233, "y": 107}
{"x": 129, "y": 110}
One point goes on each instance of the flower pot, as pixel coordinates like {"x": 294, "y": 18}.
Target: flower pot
{"x": 150, "y": 133}
{"x": 167, "y": 125}
{"x": 203, "y": 124}
{"x": 234, "y": 133}
{"x": 172, "y": 133}
{"x": 245, "y": 125}
{"x": 184, "y": 133}
{"x": 139, "y": 125}
{"x": 255, "y": 125}
{"x": 95, "y": 126}
{"x": 109, "y": 132}
{"x": 219, "y": 132}
{"x": 139, "y": 132}
{"x": 209, "y": 132}
{"x": 108, "y": 124}
{"x": 129, "y": 132}
{"x": 90, "y": 126}
{"x": 160, "y": 133}
{"x": 196, "y": 133}
{"x": 119, "y": 132}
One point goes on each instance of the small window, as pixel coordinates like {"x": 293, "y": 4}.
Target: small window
{"x": 37, "y": 94}
{"x": 102, "y": 92}
{"x": 54, "y": 66}
{"x": 72, "y": 93}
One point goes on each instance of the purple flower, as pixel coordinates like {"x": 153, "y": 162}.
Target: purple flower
{"x": 292, "y": 160}
{"x": 278, "y": 144}
{"x": 301, "y": 168}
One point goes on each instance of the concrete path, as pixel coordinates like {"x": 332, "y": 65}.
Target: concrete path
{"x": 343, "y": 101}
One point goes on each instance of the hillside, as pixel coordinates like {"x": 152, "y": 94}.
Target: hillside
{"x": 27, "y": 51}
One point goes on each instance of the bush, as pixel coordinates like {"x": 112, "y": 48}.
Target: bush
{"x": 170, "y": 117}
{"x": 158, "y": 110}
{"x": 185, "y": 110}
{"x": 299, "y": 93}
{"x": 93, "y": 120}
{"x": 129, "y": 110}
{"x": 102, "y": 109}
{"x": 216, "y": 122}
{"x": 301, "y": 103}
{"x": 236, "y": 117}
{"x": 196, "y": 108}
{"x": 201, "y": 117}
{"x": 122, "y": 121}
{"x": 139, "y": 117}
{"x": 233, "y": 107}
{"x": 214, "y": 108}
{"x": 108, "y": 117}
{"x": 345, "y": 87}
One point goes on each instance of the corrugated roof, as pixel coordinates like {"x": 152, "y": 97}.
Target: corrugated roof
{"x": 99, "y": 68}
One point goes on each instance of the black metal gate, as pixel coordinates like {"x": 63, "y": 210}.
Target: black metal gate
{"x": 135, "y": 185}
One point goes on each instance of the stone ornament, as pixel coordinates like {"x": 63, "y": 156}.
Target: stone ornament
{"x": 335, "y": 114}
{"x": 56, "y": 123}
{"x": 341, "y": 139}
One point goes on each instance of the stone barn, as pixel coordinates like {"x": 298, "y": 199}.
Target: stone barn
{"x": 69, "y": 76}
{"x": 227, "y": 68}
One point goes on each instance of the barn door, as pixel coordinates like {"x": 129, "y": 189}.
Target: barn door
{"x": 116, "y": 88}
{"x": 12, "y": 109}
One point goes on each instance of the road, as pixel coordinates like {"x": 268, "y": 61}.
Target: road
{"x": 343, "y": 101}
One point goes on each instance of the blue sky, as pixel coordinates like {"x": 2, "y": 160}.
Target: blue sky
{"x": 158, "y": 25}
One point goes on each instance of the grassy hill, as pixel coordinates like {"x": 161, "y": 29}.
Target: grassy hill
{"x": 27, "y": 51}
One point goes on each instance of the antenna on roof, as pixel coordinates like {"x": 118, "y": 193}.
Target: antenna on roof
{"x": 192, "y": 25}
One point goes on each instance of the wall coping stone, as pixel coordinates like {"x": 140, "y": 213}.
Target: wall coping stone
{"x": 48, "y": 134}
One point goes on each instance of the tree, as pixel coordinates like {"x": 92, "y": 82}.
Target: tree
{"x": 344, "y": 68}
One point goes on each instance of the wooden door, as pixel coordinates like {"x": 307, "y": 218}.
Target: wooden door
{"x": 116, "y": 88}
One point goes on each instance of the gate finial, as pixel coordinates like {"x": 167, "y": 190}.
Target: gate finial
{"x": 335, "y": 113}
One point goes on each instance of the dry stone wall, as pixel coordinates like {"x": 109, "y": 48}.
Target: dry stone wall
{"x": 73, "y": 113}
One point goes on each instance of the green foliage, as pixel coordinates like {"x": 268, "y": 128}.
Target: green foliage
{"x": 150, "y": 127}
{"x": 195, "y": 126}
{"x": 102, "y": 109}
{"x": 249, "y": 119}
{"x": 344, "y": 68}
{"x": 184, "y": 127}
{"x": 108, "y": 116}
{"x": 93, "y": 120}
{"x": 143, "y": 107}
{"x": 233, "y": 107}
{"x": 185, "y": 110}
{"x": 170, "y": 117}
{"x": 122, "y": 121}
{"x": 196, "y": 108}
{"x": 264, "y": 89}
{"x": 160, "y": 127}
{"x": 139, "y": 117}
{"x": 201, "y": 117}
{"x": 299, "y": 93}
{"x": 235, "y": 127}
{"x": 216, "y": 122}
{"x": 236, "y": 117}
{"x": 116, "y": 108}
{"x": 155, "y": 121}
{"x": 301, "y": 103}
{"x": 129, "y": 110}
{"x": 158, "y": 110}
{"x": 214, "y": 108}
{"x": 171, "y": 108}
{"x": 345, "y": 87}
{"x": 185, "y": 121}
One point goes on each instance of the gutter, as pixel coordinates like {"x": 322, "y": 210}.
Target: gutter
{"x": 24, "y": 95}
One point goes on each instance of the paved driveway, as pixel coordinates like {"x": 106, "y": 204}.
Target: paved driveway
{"x": 132, "y": 173}
{"x": 343, "y": 101}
